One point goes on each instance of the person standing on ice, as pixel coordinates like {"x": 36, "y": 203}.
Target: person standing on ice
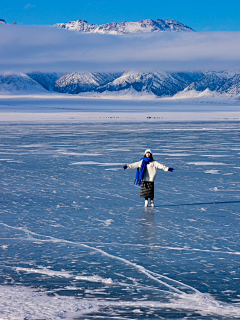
{"x": 145, "y": 175}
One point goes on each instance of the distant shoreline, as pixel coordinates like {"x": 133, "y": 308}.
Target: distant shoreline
{"x": 51, "y": 108}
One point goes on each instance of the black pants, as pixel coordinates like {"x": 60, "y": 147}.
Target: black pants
{"x": 147, "y": 190}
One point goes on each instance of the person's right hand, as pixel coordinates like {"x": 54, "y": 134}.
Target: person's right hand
{"x": 125, "y": 167}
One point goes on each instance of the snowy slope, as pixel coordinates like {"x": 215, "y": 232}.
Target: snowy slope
{"x": 19, "y": 82}
{"x": 126, "y": 27}
{"x": 212, "y": 83}
{"x": 75, "y": 83}
{"x": 160, "y": 84}
{"x": 46, "y": 80}
{"x": 232, "y": 86}
{"x": 211, "y": 80}
{"x": 223, "y": 85}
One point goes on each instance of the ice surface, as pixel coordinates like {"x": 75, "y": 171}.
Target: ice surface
{"x": 24, "y": 303}
{"x": 76, "y": 241}
{"x": 62, "y": 108}
{"x": 205, "y": 163}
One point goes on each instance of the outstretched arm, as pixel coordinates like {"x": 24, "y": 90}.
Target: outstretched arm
{"x": 161, "y": 166}
{"x": 134, "y": 165}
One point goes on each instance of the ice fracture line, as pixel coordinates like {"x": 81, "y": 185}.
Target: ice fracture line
{"x": 150, "y": 274}
{"x": 196, "y": 301}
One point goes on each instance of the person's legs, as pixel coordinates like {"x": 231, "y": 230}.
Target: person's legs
{"x": 152, "y": 202}
{"x": 147, "y": 192}
{"x": 146, "y": 202}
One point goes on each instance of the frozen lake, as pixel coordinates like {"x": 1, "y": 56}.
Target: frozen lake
{"x": 76, "y": 241}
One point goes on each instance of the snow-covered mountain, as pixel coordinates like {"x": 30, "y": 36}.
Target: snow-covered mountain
{"x": 211, "y": 80}
{"x": 75, "y": 83}
{"x": 158, "y": 83}
{"x": 225, "y": 82}
{"x": 189, "y": 85}
{"x": 46, "y": 80}
{"x": 126, "y": 27}
{"x": 231, "y": 86}
{"x": 18, "y": 83}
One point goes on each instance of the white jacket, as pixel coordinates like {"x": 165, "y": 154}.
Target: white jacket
{"x": 151, "y": 170}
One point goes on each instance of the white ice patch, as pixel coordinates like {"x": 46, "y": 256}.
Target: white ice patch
{"x": 118, "y": 149}
{"x": 212, "y": 171}
{"x": 18, "y": 303}
{"x": 36, "y": 145}
{"x": 111, "y": 164}
{"x": 203, "y": 304}
{"x": 84, "y": 163}
{"x": 95, "y": 279}
{"x": 46, "y": 271}
{"x": 80, "y": 154}
{"x": 16, "y": 161}
{"x": 205, "y": 163}
{"x": 96, "y": 163}
{"x": 38, "y": 305}
{"x": 173, "y": 154}
{"x": 108, "y": 222}
{"x": 214, "y": 155}
{"x": 65, "y": 274}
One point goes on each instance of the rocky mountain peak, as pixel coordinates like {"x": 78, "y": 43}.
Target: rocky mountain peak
{"x": 126, "y": 27}
{"x": 2, "y": 21}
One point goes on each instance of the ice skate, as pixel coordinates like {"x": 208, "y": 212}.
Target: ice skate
{"x": 146, "y": 203}
{"x": 152, "y": 203}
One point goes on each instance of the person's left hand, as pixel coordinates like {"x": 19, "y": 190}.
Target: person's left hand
{"x": 170, "y": 169}
{"x": 125, "y": 167}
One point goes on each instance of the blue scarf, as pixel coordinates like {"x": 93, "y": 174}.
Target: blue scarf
{"x": 140, "y": 173}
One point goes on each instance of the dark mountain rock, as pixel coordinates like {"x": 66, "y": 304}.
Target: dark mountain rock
{"x": 47, "y": 80}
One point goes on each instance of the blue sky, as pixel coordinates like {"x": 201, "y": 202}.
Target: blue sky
{"x": 204, "y": 15}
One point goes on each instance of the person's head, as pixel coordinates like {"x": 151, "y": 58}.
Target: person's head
{"x": 148, "y": 153}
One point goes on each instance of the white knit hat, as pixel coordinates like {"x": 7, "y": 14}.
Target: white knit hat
{"x": 148, "y": 150}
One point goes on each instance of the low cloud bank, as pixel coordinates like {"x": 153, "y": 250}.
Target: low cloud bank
{"x": 48, "y": 49}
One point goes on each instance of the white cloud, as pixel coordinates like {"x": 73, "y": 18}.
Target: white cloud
{"x": 29, "y": 5}
{"x": 45, "y": 48}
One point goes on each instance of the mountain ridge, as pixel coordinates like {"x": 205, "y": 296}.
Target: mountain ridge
{"x": 76, "y": 82}
{"x": 126, "y": 27}
{"x": 19, "y": 82}
{"x": 158, "y": 84}
{"x": 2, "y": 21}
